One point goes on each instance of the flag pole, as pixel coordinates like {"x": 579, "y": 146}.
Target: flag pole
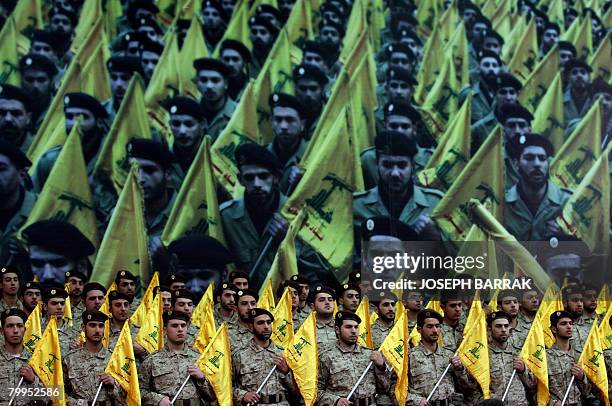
{"x": 180, "y": 389}
{"x": 14, "y": 392}
{"x": 439, "y": 381}
{"x": 508, "y": 387}
{"x": 568, "y": 390}
{"x": 360, "y": 379}
{"x": 97, "y": 394}
{"x": 265, "y": 381}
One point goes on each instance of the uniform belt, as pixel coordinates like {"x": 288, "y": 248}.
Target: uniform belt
{"x": 270, "y": 399}
{"x": 365, "y": 401}
{"x": 187, "y": 402}
{"x": 441, "y": 402}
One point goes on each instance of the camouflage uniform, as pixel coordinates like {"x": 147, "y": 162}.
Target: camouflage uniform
{"x": 519, "y": 333}
{"x": 250, "y": 367}
{"x": 379, "y": 333}
{"x": 164, "y": 371}
{"x": 219, "y": 319}
{"x": 426, "y": 367}
{"x": 339, "y": 369}
{"x": 9, "y": 375}
{"x": 82, "y": 370}
{"x": 5, "y": 306}
{"x": 452, "y": 336}
{"x": 326, "y": 333}
{"x": 559, "y": 376}
{"x": 303, "y": 313}
{"x": 239, "y": 336}
{"x": 114, "y": 335}
{"x": 192, "y": 334}
{"x": 77, "y": 313}
{"x": 608, "y": 361}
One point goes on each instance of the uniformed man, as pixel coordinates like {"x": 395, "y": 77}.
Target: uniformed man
{"x": 93, "y": 296}
{"x": 225, "y": 308}
{"x": 187, "y": 125}
{"x": 414, "y": 304}
{"x": 550, "y": 37}
{"x": 126, "y": 284}
{"x": 321, "y": 299}
{"x": 384, "y": 306}
{"x": 320, "y": 55}
{"x": 262, "y": 34}
{"x": 150, "y": 52}
{"x": 239, "y": 332}
{"x": 213, "y": 83}
{"x": 396, "y": 195}
{"x": 120, "y": 70}
{"x": 310, "y": 83}
{"x": 45, "y": 43}
{"x": 452, "y": 326}
{"x": 589, "y": 302}
{"x": 176, "y": 281}
{"x": 119, "y": 307}
{"x": 567, "y": 52}
{"x": 15, "y": 116}
{"x": 576, "y": 99}
{"x": 489, "y": 65}
{"x": 349, "y": 297}
{"x": 10, "y": 288}
{"x": 331, "y": 34}
{"x": 53, "y": 305}
{"x": 62, "y": 23}
{"x": 83, "y": 367}
{"x": 399, "y": 85}
{"x": 572, "y": 303}
{"x": 56, "y": 247}
{"x": 251, "y": 365}
{"x": 529, "y": 304}
{"x": 92, "y": 129}
{"x": 239, "y": 279}
{"x": 428, "y": 361}
{"x": 163, "y": 372}
{"x": 166, "y": 297}
{"x": 303, "y": 308}
{"x": 608, "y": 361}
{"x": 77, "y": 281}
{"x": 508, "y": 302}
{"x": 14, "y": 357}
{"x": 535, "y": 201}
{"x": 236, "y": 56}
{"x": 184, "y": 301}
{"x": 561, "y": 359}
{"x": 343, "y": 363}
{"x": 29, "y": 295}
{"x": 37, "y": 74}
{"x": 215, "y": 22}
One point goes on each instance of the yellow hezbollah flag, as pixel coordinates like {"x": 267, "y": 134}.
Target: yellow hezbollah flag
{"x": 433, "y": 59}
{"x": 396, "y": 349}
{"x": 301, "y": 356}
{"x": 282, "y": 327}
{"x": 206, "y": 322}
{"x": 299, "y": 25}
{"x": 581, "y": 36}
{"x": 33, "y": 329}
{"x": 525, "y": 55}
{"x": 601, "y": 60}
{"x": 141, "y": 312}
{"x": 105, "y": 306}
{"x": 46, "y": 360}
{"x": 194, "y": 47}
{"x": 28, "y": 15}
{"x": 216, "y": 364}
{"x": 198, "y": 315}
{"x": 196, "y": 210}
{"x": 125, "y": 244}
{"x": 457, "y": 50}
{"x": 474, "y": 349}
{"x": 533, "y": 355}
{"x": 67, "y": 306}
{"x": 603, "y": 300}
{"x": 9, "y": 71}
{"x": 441, "y": 103}
{"x": 150, "y": 334}
{"x": 540, "y": 80}
{"x": 266, "y": 294}
{"x": 122, "y": 366}
{"x": 448, "y": 22}
{"x": 238, "y": 27}
{"x": 89, "y": 17}
{"x": 513, "y": 39}
{"x": 605, "y": 331}
{"x": 548, "y": 118}
{"x": 592, "y": 362}
{"x": 364, "y": 334}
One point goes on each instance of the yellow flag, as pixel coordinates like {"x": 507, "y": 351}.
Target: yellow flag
{"x": 95, "y": 79}
{"x": 592, "y": 362}
{"x": 433, "y": 60}
{"x": 533, "y": 355}
{"x": 266, "y": 293}
{"x": 501, "y": 20}
{"x": 150, "y": 334}
{"x": 67, "y": 306}
{"x": 206, "y": 322}
{"x": 282, "y": 327}
{"x": 441, "y": 103}
{"x": 449, "y": 20}
{"x": 122, "y": 366}
{"x": 364, "y": 334}
{"x": 46, "y": 360}
{"x": 581, "y": 36}
{"x": 105, "y": 306}
{"x": 522, "y": 63}
{"x": 427, "y": 14}
{"x": 302, "y": 357}
{"x": 33, "y": 329}
{"x": 9, "y": 71}
{"x": 238, "y": 27}
{"x": 474, "y": 349}
{"x": 457, "y": 50}
{"x": 112, "y": 11}
{"x": 579, "y": 152}
{"x": 555, "y": 14}
{"x": 299, "y": 25}
{"x": 130, "y": 122}
{"x": 586, "y": 214}
{"x": 540, "y": 80}
{"x": 27, "y": 16}
{"x": 90, "y": 14}
{"x": 605, "y": 331}
{"x": 66, "y": 194}
{"x": 551, "y": 302}
{"x": 142, "y": 312}
{"x": 198, "y": 315}
{"x": 125, "y": 244}
{"x": 399, "y": 309}
{"x": 601, "y": 60}
{"x": 194, "y": 47}
{"x": 513, "y": 39}
{"x": 216, "y": 364}
{"x": 196, "y": 210}
{"x": 603, "y": 300}
{"x": 356, "y": 25}
{"x": 395, "y": 349}
{"x": 548, "y": 118}
{"x": 452, "y": 153}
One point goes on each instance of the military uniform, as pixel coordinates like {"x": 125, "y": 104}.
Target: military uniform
{"x": 559, "y": 376}
{"x": 82, "y": 370}
{"x": 608, "y": 361}
{"x": 114, "y": 335}
{"x": 192, "y": 334}
{"x": 157, "y": 224}
{"x": 5, "y": 306}
{"x": 163, "y": 372}
{"x": 219, "y": 319}
{"x": 302, "y": 314}
{"x": 481, "y": 103}
{"x": 339, "y": 369}
{"x": 570, "y": 110}
{"x": 77, "y": 313}
{"x": 293, "y": 160}
{"x": 519, "y": 333}
{"x": 519, "y": 220}
{"x": 239, "y": 336}
{"x": 220, "y": 120}
{"x": 326, "y": 333}
{"x": 251, "y": 365}
{"x": 380, "y": 332}
{"x": 370, "y": 170}
{"x": 9, "y": 375}
{"x": 452, "y": 336}
{"x": 15, "y": 223}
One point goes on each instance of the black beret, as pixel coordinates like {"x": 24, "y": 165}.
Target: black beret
{"x": 448, "y": 295}
{"x": 14, "y": 312}
{"x": 263, "y": 22}
{"x": 326, "y": 22}
{"x": 65, "y": 12}
{"x": 259, "y": 312}
{"x": 16, "y": 155}
{"x": 217, "y": 6}
{"x": 318, "y": 48}
{"x": 146, "y": 44}
{"x": 489, "y": 54}
{"x": 47, "y": 37}
{"x": 288, "y": 284}
{"x": 552, "y": 26}
{"x": 253, "y": 154}
{"x": 38, "y": 62}
{"x": 173, "y": 315}
{"x": 355, "y": 275}
{"x": 93, "y": 286}
{"x": 151, "y": 150}
{"x": 183, "y": 294}
{"x": 600, "y": 86}
{"x": 246, "y": 292}
{"x": 60, "y": 237}
{"x": 116, "y": 295}
{"x": 124, "y": 274}
{"x": 185, "y": 105}
{"x": 399, "y": 47}
{"x": 51, "y": 293}
{"x": 391, "y": 142}
{"x": 176, "y": 277}
{"x": 6, "y": 269}
{"x": 10, "y": 92}
{"x": 494, "y": 34}
{"x": 344, "y": 315}
{"x": 411, "y": 34}
{"x": 226, "y": 286}
{"x": 401, "y": 74}
{"x": 519, "y": 143}
{"x": 200, "y": 251}
{"x": 285, "y": 100}
{"x": 507, "y": 80}
{"x": 268, "y": 9}
{"x": 211, "y": 64}
{"x": 346, "y": 287}
{"x": 238, "y": 274}
{"x": 571, "y": 291}
{"x": 576, "y": 63}
{"x": 427, "y": 314}
{"x": 402, "y": 108}
{"x": 567, "y": 46}
{"x": 76, "y": 274}
{"x": 136, "y": 5}
{"x": 513, "y": 110}
{"x": 385, "y": 225}
{"x": 85, "y": 101}
{"x": 327, "y": 6}
{"x": 238, "y": 47}
{"x": 498, "y": 315}
{"x": 383, "y": 295}
{"x": 161, "y": 288}
{"x": 300, "y": 279}
{"x": 126, "y": 64}
{"x": 308, "y": 71}
{"x": 321, "y": 289}
{"x": 94, "y": 315}
{"x": 29, "y": 286}
{"x": 150, "y": 22}
{"x": 558, "y": 315}
{"x": 480, "y": 19}
{"x": 589, "y": 287}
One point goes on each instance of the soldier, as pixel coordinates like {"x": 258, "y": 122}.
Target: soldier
{"x": 561, "y": 359}
{"x": 126, "y": 284}
{"x": 215, "y": 22}
{"x": 321, "y": 300}
{"x": 119, "y": 307}
{"x": 318, "y": 54}
{"x": 399, "y": 85}
{"x": 163, "y": 372}
{"x": 166, "y": 296}
{"x": 93, "y": 296}
{"x": 489, "y": 65}
{"x": 310, "y": 83}
{"x": 331, "y": 34}
{"x": 150, "y": 52}
{"x": 567, "y": 52}
{"x": 53, "y": 305}
{"x": 294, "y": 293}
{"x": 16, "y": 116}
{"x": 550, "y": 37}
{"x": 414, "y": 304}
{"x": 262, "y": 34}
{"x": 303, "y": 308}
{"x": 225, "y": 308}
{"x": 76, "y": 280}
{"x": 239, "y": 279}
{"x": 176, "y": 281}
{"x": 187, "y": 125}
{"x": 212, "y": 82}
{"x": 508, "y": 302}
{"x": 29, "y": 295}
{"x": 10, "y": 288}
{"x": 236, "y": 57}
{"x": 608, "y": 361}
{"x": 184, "y": 301}
{"x": 572, "y": 303}
{"x": 427, "y": 363}
{"x": 47, "y": 44}
{"x": 349, "y": 297}
{"x": 452, "y": 326}
{"x": 589, "y": 302}
{"x": 535, "y": 201}
{"x": 384, "y": 306}
{"x": 14, "y": 357}
{"x": 37, "y": 74}
{"x": 251, "y": 365}
{"x": 577, "y": 98}
{"x": 343, "y": 363}
{"x": 529, "y": 304}
{"x": 120, "y": 69}
{"x": 83, "y": 367}
{"x": 239, "y": 332}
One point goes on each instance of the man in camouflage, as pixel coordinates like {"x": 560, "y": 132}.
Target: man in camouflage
{"x": 303, "y": 308}
{"x": 184, "y": 301}
{"x": 225, "y": 308}
{"x": 53, "y": 305}
{"x": 322, "y": 300}
{"x": 126, "y": 284}
{"x": 572, "y": 303}
{"x": 119, "y": 306}
{"x": 349, "y": 297}
{"x": 10, "y": 288}
{"x": 528, "y": 307}
{"x": 452, "y": 326}
{"x": 77, "y": 280}
{"x": 384, "y": 306}
{"x": 239, "y": 333}
{"x": 414, "y": 304}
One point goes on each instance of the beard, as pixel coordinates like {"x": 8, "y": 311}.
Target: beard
{"x": 528, "y": 178}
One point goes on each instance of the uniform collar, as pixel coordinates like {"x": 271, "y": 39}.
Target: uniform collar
{"x": 346, "y": 350}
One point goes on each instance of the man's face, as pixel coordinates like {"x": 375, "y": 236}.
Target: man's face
{"x": 514, "y": 126}
{"x": 309, "y": 92}
{"x": 127, "y": 287}
{"x": 31, "y": 297}
{"x": 119, "y": 84}
{"x": 304, "y": 292}
{"x": 506, "y": 95}
{"x": 14, "y": 120}
{"x": 285, "y": 6}
{"x": 414, "y": 302}
{"x": 120, "y": 310}
{"x": 606, "y": 103}
{"x": 589, "y": 300}
{"x": 530, "y": 302}
{"x": 55, "y": 307}
{"x": 94, "y": 300}
{"x": 549, "y": 39}
{"x": 350, "y": 300}
{"x": 10, "y": 178}
{"x": 259, "y": 183}
{"x": 212, "y": 18}
{"x": 245, "y": 304}
{"x": 386, "y": 310}
{"x": 488, "y": 69}
{"x": 399, "y": 90}
{"x": 176, "y": 331}
{"x": 227, "y": 300}
{"x": 324, "y": 304}
{"x": 510, "y": 305}
{"x": 241, "y": 283}
{"x": 564, "y": 328}
{"x": 415, "y": 47}
{"x": 295, "y": 298}
{"x": 400, "y": 60}
{"x": 315, "y": 59}
{"x": 478, "y": 30}
{"x": 148, "y": 62}
{"x": 49, "y": 266}
{"x": 468, "y": 15}
{"x": 286, "y": 126}
{"x": 395, "y": 172}
{"x": 184, "y": 305}
{"x": 565, "y": 55}
{"x": 166, "y": 301}
{"x": 88, "y": 123}
{"x": 329, "y": 35}
{"x": 347, "y": 332}
{"x": 76, "y": 286}
{"x": 10, "y": 284}
{"x": 491, "y": 44}
{"x": 37, "y": 83}
{"x": 177, "y": 285}
{"x": 575, "y": 304}
{"x": 533, "y": 165}
{"x": 212, "y": 85}
{"x": 332, "y": 16}
{"x": 579, "y": 78}
{"x": 260, "y": 36}
{"x": 133, "y": 49}
{"x": 500, "y": 330}
{"x": 61, "y": 23}
{"x": 228, "y": 6}
{"x": 187, "y": 131}
{"x": 94, "y": 331}
{"x": 402, "y": 124}
{"x": 148, "y": 31}
{"x": 153, "y": 179}
{"x": 233, "y": 60}
{"x": 430, "y": 332}
{"x": 452, "y": 310}
{"x": 262, "y": 327}
{"x": 44, "y": 49}
{"x": 13, "y": 330}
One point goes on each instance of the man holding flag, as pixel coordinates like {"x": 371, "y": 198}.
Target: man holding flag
{"x": 321, "y": 300}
